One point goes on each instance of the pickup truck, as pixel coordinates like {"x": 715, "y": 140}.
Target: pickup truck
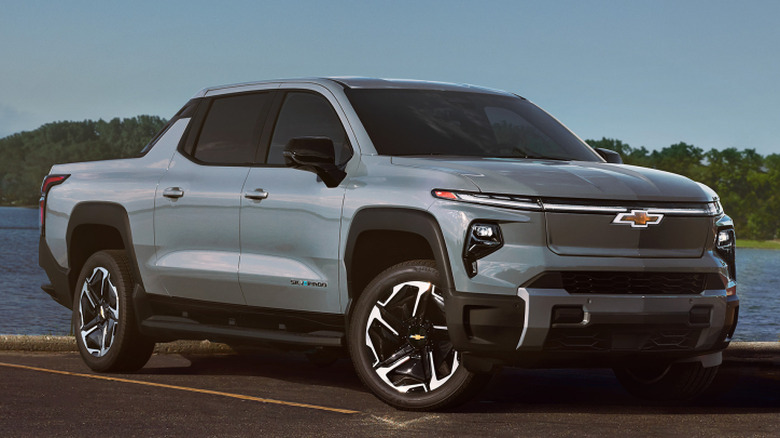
{"x": 434, "y": 232}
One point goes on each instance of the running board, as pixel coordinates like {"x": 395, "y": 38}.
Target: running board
{"x": 186, "y": 328}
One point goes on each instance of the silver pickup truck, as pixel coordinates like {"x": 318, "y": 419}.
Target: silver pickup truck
{"x": 436, "y": 232}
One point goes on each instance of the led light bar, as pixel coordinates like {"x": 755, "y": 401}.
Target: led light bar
{"x": 526, "y": 203}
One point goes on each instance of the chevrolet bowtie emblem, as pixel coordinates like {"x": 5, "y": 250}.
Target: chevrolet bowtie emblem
{"x": 638, "y": 218}
{"x": 417, "y": 337}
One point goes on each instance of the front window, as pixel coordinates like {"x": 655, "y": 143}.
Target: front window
{"x": 305, "y": 114}
{"x": 455, "y": 123}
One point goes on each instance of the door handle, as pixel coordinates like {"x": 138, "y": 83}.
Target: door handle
{"x": 173, "y": 192}
{"x": 256, "y": 194}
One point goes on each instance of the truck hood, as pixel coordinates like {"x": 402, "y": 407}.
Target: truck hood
{"x": 567, "y": 179}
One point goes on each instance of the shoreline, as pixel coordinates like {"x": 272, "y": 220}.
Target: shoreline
{"x": 759, "y": 244}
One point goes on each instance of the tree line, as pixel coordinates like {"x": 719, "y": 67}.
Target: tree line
{"x": 26, "y": 157}
{"x": 746, "y": 181}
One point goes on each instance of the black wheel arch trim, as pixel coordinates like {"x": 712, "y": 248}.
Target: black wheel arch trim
{"x": 407, "y": 220}
{"x": 108, "y": 214}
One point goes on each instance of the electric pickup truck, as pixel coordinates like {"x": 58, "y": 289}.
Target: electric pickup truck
{"x": 434, "y": 232}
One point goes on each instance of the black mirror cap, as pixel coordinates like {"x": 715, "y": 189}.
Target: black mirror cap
{"x": 309, "y": 151}
{"x": 314, "y": 154}
{"x": 610, "y": 155}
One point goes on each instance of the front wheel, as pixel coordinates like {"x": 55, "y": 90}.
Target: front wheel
{"x": 103, "y": 315}
{"x": 667, "y": 382}
{"x": 399, "y": 342}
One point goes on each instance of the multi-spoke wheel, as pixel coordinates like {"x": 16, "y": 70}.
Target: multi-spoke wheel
{"x": 399, "y": 342}
{"x": 103, "y": 317}
{"x": 98, "y": 312}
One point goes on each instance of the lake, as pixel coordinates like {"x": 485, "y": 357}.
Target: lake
{"x": 25, "y": 309}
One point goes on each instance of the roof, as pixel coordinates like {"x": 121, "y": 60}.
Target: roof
{"x": 359, "y": 83}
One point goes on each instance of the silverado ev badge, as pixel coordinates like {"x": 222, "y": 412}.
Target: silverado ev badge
{"x": 295, "y": 282}
{"x": 638, "y": 218}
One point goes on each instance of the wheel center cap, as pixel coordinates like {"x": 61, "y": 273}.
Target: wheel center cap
{"x": 418, "y": 336}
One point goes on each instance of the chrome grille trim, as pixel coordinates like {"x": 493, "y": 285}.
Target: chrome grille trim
{"x": 517, "y": 202}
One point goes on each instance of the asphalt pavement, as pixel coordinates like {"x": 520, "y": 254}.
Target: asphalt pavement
{"x": 199, "y": 389}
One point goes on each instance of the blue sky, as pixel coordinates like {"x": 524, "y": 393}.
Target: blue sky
{"x": 649, "y": 73}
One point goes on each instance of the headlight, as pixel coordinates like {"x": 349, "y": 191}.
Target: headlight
{"x": 507, "y": 201}
{"x": 482, "y": 238}
{"x": 725, "y": 238}
{"x": 725, "y": 246}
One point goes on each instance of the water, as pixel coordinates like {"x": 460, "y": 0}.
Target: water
{"x": 26, "y": 309}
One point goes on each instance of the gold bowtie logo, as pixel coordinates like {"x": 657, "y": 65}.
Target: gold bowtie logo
{"x": 417, "y": 337}
{"x": 638, "y": 218}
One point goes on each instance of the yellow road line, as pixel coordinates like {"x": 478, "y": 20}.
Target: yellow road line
{"x": 183, "y": 388}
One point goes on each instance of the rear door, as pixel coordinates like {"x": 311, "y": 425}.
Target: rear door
{"x": 290, "y": 220}
{"x": 197, "y": 206}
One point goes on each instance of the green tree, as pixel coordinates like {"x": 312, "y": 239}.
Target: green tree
{"x": 26, "y": 157}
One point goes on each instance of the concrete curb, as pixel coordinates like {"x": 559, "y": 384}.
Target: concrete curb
{"x": 767, "y": 353}
{"x": 68, "y": 344}
{"x": 740, "y": 352}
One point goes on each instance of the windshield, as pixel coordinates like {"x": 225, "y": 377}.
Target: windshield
{"x": 429, "y": 122}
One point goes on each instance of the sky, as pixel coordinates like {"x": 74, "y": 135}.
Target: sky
{"x": 649, "y": 73}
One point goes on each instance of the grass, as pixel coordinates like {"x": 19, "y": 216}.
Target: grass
{"x": 759, "y": 244}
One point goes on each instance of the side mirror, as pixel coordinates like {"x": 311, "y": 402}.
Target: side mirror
{"x": 610, "y": 155}
{"x": 314, "y": 154}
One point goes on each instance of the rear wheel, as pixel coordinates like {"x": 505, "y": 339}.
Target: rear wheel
{"x": 399, "y": 342}
{"x": 103, "y": 315}
{"x": 667, "y": 382}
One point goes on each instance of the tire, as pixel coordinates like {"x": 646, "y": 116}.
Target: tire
{"x": 399, "y": 343}
{"x": 103, "y": 316}
{"x": 671, "y": 382}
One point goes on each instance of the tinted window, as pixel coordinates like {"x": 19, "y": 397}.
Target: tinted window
{"x": 308, "y": 115}
{"x": 231, "y": 130}
{"x": 427, "y": 122}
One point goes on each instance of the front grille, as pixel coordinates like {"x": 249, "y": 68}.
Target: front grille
{"x": 635, "y": 283}
{"x": 621, "y": 338}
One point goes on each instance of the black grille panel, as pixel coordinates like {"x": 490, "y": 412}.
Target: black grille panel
{"x": 635, "y": 283}
{"x": 621, "y": 338}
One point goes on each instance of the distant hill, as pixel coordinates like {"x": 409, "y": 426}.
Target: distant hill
{"x": 26, "y": 157}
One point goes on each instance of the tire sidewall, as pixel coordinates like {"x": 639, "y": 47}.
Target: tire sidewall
{"x": 377, "y": 290}
{"x": 123, "y": 284}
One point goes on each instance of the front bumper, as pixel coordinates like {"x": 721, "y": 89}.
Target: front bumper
{"x": 550, "y": 327}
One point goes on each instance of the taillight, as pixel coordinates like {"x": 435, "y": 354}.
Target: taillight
{"x": 49, "y": 181}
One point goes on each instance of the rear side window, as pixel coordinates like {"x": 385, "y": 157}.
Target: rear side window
{"x": 308, "y": 115}
{"x": 231, "y": 129}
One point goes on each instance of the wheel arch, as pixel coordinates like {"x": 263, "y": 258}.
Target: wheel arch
{"x": 97, "y": 226}
{"x": 392, "y": 227}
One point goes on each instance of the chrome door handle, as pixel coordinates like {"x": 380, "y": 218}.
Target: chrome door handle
{"x": 173, "y": 192}
{"x": 256, "y": 194}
